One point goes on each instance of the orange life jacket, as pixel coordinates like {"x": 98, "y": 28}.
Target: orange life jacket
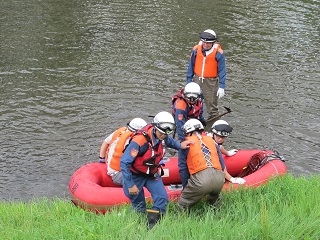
{"x": 195, "y": 159}
{"x": 207, "y": 66}
{"x": 119, "y": 138}
{"x": 148, "y": 163}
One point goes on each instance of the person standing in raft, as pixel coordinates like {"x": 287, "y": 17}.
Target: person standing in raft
{"x": 201, "y": 168}
{"x": 140, "y": 165}
{"x": 112, "y": 147}
{"x": 207, "y": 62}
{"x": 186, "y": 104}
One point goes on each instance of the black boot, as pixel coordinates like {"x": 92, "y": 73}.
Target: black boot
{"x": 215, "y": 200}
{"x": 153, "y": 217}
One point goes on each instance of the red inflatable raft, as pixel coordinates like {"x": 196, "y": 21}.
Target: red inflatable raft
{"x": 92, "y": 189}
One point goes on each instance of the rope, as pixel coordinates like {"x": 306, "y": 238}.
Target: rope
{"x": 257, "y": 161}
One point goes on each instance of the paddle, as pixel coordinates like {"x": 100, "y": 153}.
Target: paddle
{"x": 213, "y": 119}
{"x": 220, "y": 115}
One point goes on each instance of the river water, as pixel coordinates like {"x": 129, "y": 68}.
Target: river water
{"x": 72, "y": 72}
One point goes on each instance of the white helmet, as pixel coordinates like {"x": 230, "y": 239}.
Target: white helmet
{"x": 221, "y": 128}
{"x": 164, "y": 122}
{"x": 208, "y": 36}
{"x": 192, "y": 125}
{"x": 192, "y": 92}
{"x": 136, "y": 124}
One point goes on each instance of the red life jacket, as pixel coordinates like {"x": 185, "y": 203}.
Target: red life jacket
{"x": 194, "y": 109}
{"x": 148, "y": 163}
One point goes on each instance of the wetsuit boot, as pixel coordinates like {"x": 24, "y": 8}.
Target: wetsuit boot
{"x": 153, "y": 216}
{"x": 215, "y": 200}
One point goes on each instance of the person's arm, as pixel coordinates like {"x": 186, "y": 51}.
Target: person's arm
{"x": 104, "y": 146}
{"x": 222, "y": 74}
{"x": 228, "y": 153}
{"x": 227, "y": 175}
{"x": 172, "y": 143}
{"x": 180, "y": 119}
{"x": 103, "y": 149}
{"x": 190, "y": 71}
{"x": 223, "y": 150}
{"x": 126, "y": 160}
{"x": 223, "y": 166}
{"x": 183, "y": 168}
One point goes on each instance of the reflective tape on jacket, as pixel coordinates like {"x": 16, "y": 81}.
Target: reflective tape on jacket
{"x": 196, "y": 160}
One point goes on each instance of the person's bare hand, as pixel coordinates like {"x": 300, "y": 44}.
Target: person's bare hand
{"x": 186, "y": 144}
{"x": 133, "y": 190}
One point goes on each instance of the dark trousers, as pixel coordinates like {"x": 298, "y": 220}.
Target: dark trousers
{"x": 209, "y": 87}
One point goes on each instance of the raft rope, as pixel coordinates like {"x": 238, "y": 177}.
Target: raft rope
{"x": 258, "y": 160}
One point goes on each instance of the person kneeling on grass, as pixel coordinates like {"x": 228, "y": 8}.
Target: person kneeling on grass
{"x": 201, "y": 168}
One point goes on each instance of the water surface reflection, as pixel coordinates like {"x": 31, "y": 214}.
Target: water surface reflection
{"x": 72, "y": 72}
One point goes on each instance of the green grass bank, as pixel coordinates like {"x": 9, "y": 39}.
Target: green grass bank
{"x": 285, "y": 208}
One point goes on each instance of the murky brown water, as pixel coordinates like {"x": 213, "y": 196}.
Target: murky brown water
{"x": 73, "y": 71}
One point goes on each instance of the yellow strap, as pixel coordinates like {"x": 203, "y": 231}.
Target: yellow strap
{"x": 153, "y": 211}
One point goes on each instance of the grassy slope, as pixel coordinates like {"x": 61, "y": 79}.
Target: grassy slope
{"x": 286, "y": 208}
